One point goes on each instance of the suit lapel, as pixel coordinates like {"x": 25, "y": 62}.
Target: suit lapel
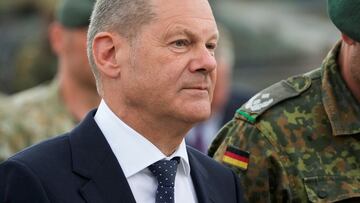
{"x": 93, "y": 158}
{"x": 200, "y": 178}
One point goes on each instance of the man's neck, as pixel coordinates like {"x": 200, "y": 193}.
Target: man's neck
{"x": 345, "y": 64}
{"x": 165, "y": 133}
{"x": 77, "y": 98}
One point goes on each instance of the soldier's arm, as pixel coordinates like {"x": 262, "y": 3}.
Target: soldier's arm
{"x": 261, "y": 175}
{"x": 11, "y": 141}
{"x": 14, "y": 136}
{"x": 4, "y": 138}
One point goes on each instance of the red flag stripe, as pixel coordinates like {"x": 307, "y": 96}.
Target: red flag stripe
{"x": 237, "y": 157}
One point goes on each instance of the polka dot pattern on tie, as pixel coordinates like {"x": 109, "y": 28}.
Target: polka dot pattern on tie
{"x": 165, "y": 172}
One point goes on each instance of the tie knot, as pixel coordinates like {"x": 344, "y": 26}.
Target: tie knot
{"x": 165, "y": 171}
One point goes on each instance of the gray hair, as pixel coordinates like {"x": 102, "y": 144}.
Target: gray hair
{"x": 122, "y": 16}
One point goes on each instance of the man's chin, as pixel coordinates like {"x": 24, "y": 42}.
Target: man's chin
{"x": 198, "y": 117}
{"x": 195, "y": 112}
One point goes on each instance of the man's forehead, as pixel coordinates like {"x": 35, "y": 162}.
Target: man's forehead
{"x": 192, "y": 18}
{"x": 167, "y": 8}
{"x": 177, "y": 15}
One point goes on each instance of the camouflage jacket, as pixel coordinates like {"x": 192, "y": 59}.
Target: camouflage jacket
{"x": 297, "y": 141}
{"x": 31, "y": 116}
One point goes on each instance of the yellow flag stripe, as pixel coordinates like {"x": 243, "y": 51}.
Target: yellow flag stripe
{"x": 235, "y": 162}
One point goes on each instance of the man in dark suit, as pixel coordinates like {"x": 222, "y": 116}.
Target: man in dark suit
{"x": 155, "y": 70}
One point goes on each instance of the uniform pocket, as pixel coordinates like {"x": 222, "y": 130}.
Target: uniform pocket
{"x": 333, "y": 188}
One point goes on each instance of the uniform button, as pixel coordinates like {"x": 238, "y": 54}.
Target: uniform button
{"x": 322, "y": 194}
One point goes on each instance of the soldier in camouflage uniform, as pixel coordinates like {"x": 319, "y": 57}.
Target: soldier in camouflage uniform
{"x": 49, "y": 109}
{"x": 298, "y": 140}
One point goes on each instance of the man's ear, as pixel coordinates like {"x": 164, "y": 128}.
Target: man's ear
{"x": 347, "y": 39}
{"x": 104, "y": 52}
{"x": 55, "y": 33}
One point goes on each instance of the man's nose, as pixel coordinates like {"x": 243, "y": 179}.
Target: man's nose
{"x": 203, "y": 60}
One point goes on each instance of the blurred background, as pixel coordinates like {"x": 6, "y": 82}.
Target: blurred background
{"x": 25, "y": 55}
{"x": 272, "y": 40}
{"x": 275, "y": 39}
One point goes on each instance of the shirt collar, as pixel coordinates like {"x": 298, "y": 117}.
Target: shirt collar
{"x": 133, "y": 151}
{"x": 342, "y": 108}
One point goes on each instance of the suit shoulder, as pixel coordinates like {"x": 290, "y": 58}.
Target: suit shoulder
{"x": 221, "y": 180}
{"x": 208, "y": 162}
{"x": 18, "y": 183}
{"x": 274, "y": 95}
{"x": 44, "y": 152}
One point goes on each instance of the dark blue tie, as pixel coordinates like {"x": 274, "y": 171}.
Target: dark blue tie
{"x": 165, "y": 172}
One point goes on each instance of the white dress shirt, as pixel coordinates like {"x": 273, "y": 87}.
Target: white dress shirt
{"x": 135, "y": 153}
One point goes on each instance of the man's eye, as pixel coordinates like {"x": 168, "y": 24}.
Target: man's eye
{"x": 211, "y": 46}
{"x": 181, "y": 43}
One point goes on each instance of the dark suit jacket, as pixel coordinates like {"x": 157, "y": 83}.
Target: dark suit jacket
{"x": 80, "y": 167}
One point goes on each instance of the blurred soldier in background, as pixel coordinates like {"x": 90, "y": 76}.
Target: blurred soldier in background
{"x": 25, "y": 56}
{"x": 50, "y": 109}
{"x": 299, "y": 140}
{"x": 225, "y": 100}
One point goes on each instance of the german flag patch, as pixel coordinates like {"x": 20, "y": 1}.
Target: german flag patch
{"x": 236, "y": 157}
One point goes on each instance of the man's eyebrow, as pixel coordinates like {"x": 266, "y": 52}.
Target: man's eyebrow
{"x": 182, "y": 31}
{"x": 186, "y": 31}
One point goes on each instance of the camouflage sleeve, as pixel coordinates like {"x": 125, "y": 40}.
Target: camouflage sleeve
{"x": 3, "y": 140}
{"x": 11, "y": 139}
{"x": 5, "y": 151}
{"x": 262, "y": 178}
